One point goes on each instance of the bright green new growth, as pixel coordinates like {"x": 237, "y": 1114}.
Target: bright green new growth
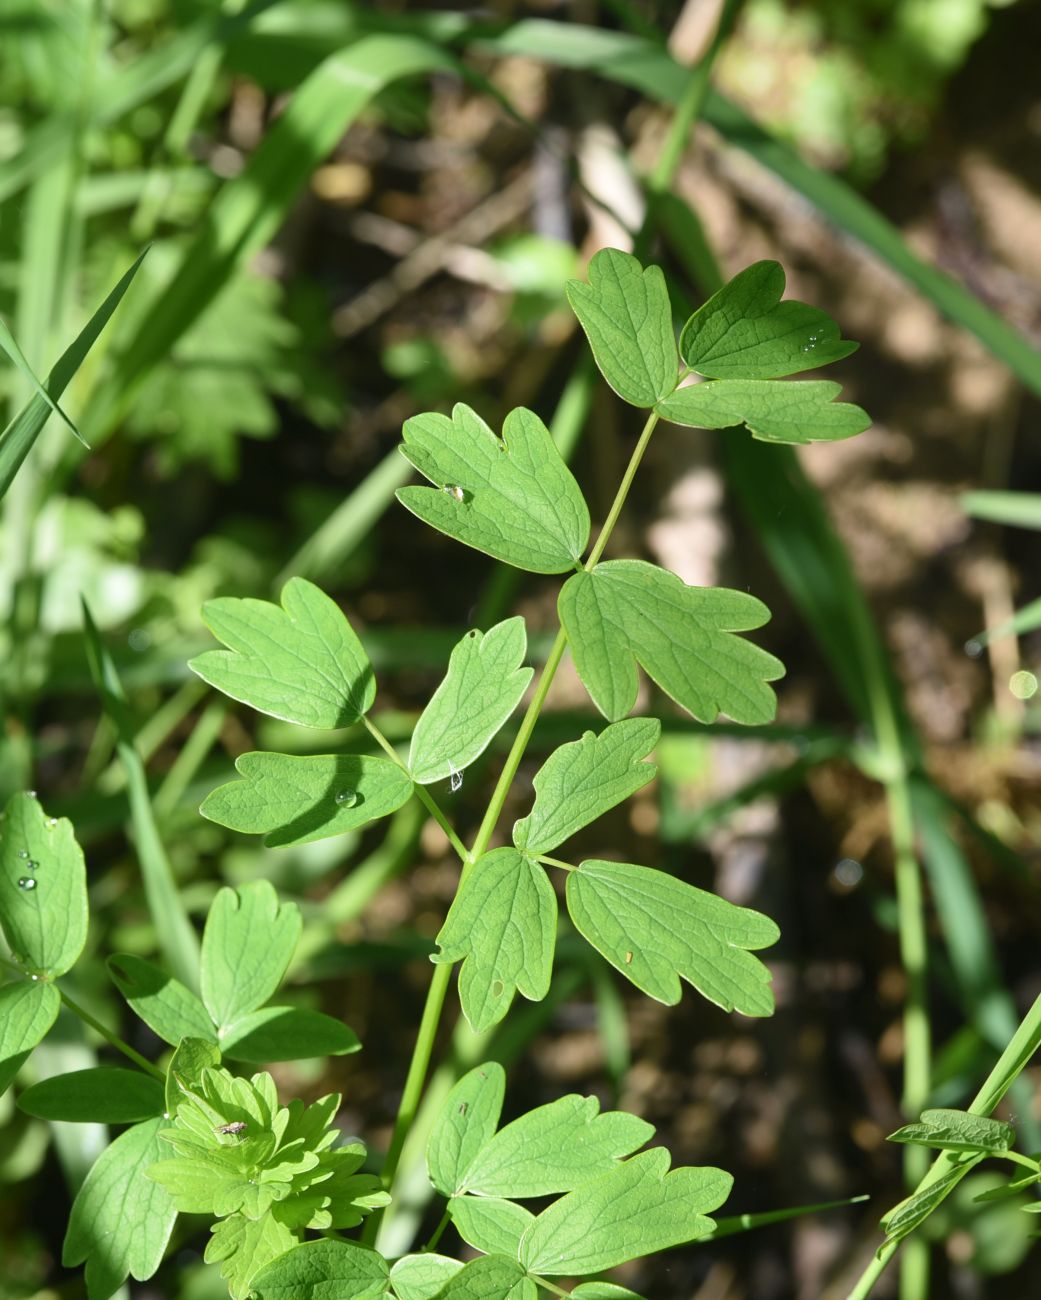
{"x": 301, "y": 662}
{"x": 626, "y": 612}
{"x": 43, "y": 889}
{"x": 511, "y": 497}
{"x": 484, "y": 685}
{"x": 268, "y": 1172}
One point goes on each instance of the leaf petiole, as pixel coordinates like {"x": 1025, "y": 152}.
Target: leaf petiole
{"x": 556, "y": 862}
{"x": 113, "y": 1039}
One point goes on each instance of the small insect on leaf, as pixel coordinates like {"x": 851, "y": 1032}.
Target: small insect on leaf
{"x": 234, "y": 1129}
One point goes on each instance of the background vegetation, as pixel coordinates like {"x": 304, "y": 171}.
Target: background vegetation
{"x": 332, "y": 251}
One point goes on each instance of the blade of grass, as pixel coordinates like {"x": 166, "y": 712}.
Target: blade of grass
{"x": 175, "y": 935}
{"x": 18, "y": 438}
{"x": 250, "y": 208}
{"x": 9, "y": 344}
{"x": 731, "y": 1224}
{"x": 1018, "y": 509}
{"x": 1023, "y": 620}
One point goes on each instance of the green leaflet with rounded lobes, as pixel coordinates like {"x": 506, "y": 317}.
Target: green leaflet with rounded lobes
{"x": 464, "y": 1124}
{"x": 483, "y": 686}
{"x": 744, "y": 331}
{"x": 775, "y": 410}
{"x": 636, "y": 1209}
{"x": 583, "y": 779}
{"x": 286, "y": 1034}
{"x": 421, "y": 1277}
{"x": 121, "y": 1220}
{"x": 490, "y": 1224}
{"x": 27, "y": 1011}
{"x": 492, "y": 1277}
{"x": 248, "y": 943}
{"x": 244, "y": 1246}
{"x": 102, "y": 1095}
{"x": 511, "y": 497}
{"x": 300, "y": 661}
{"x": 655, "y": 929}
{"x": 168, "y": 1008}
{"x": 625, "y": 612}
{"x": 503, "y": 926}
{"x": 627, "y": 318}
{"x": 296, "y": 799}
{"x": 554, "y": 1148}
{"x": 43, "y": 888}
{"x": 324, "y": 1270}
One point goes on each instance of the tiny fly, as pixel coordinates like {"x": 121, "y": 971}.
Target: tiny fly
{"x": 234, "y": 1129}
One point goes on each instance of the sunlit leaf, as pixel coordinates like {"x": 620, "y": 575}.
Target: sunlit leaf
{"x": 775, "y": 410}
{"x": 248, "y": 943}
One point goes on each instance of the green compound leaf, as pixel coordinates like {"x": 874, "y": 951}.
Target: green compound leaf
{"x": 958, "y": 1130}
{"x": 247, "y": 945}
{"x": 627, "y": 318}
{"x": 165, "y": 1005}
{"x": 637, "y": 1209}
{"x": 513, "y": 498}
{"x": 121, "y": 1220}
{"x": 464, "y": 1124}
{"x": 421, "y": 1277}
{"x": 503, "y": 927}
{"x": 484, "y": 684}
{"x": 193, "y": 1055}
{"x": 654, "y": 929}
{"x": 745, "y": 332}
{"x": 554, "y": 1148}
{"x": 493, "y": 1277}
{"x": 911, "y": 1213}
{"x": 104, "y": 1095}
{"x": 324, "y": 1270}
{"x": 583, "y": 779}
{"x": 490, "y": 1225}
{"x": 629, "y": 611}
{"x": 301, "y": 662}
{"x": 292, "y": 799}
{"x": 27, "y": 1011}
{"x": 43, "y": 888}
{"x": 244, "y": 1246}
{"x": 287, "y": 1034}
{"x": 774, "y": 410}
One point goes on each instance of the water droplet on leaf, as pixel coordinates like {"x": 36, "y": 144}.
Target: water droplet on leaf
{"x": 347, "y": 798}
{"x": 26, "y": 882}
{"x": 23, "y": 854}
{"x": 32, "y": 864}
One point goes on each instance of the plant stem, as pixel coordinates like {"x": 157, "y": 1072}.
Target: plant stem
{"x": 556, "y": 862}
{"x": 1024, "y": 1043}
{"x": 439, "y": 985}
{"x": 421, "y": 792}
{"x": 435, "y": 1236}
{"x": 112, "y": 1038}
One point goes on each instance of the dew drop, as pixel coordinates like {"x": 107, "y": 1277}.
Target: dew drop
{"x": 31, "y": 794}
{"x": 457, "y": 778}
{"x": 52, "y": 821}
{"x": 26, "y": 883}
{"x": 23, "y": 854}
{"x": 32, "y": 864}
{"x": 347, "y": 798}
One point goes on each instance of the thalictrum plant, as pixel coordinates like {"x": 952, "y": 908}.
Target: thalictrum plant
{"x": 281, "y": 1185}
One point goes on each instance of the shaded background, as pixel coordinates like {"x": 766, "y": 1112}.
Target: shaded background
{"x": 424, "y": 262}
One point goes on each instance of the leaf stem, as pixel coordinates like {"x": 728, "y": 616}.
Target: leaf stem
{"x": 111, "y": 1038}
{"x": 435, "y": 1236}
{"x": 556, "y": 862}
{"x": 623, "y": 491}
{"x": 421, "y": 792}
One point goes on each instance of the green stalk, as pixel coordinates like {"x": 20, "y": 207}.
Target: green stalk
{"x": 439, "y": 984}
{"x": 1023, "y": 1045}
{"x": 111, "y": 1038}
